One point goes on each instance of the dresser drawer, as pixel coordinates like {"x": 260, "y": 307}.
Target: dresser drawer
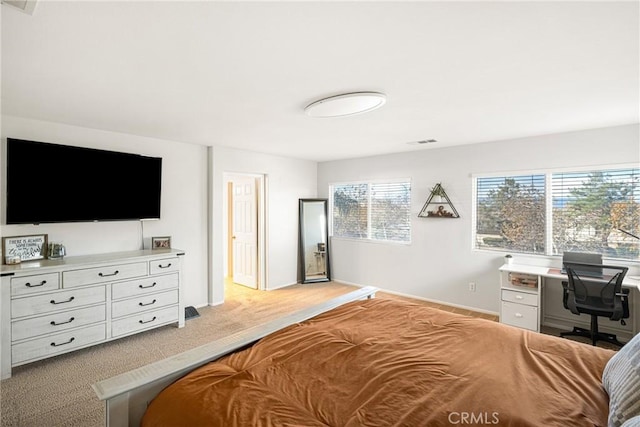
{"x": 520, "y": 297}
{"x": 144, "y": 286}
{"x": 108, "y": 273}
{"x": 149, "y": 319}
{"x": 57, "y": 343}
{"x": 57, "y": 322}
{"x": 519, "y": 315}
{"x": 143, "y": 303}
{"x": 32, "y": 284}
{"x": 165, "y": 265}
{"x": 57, "y": 301}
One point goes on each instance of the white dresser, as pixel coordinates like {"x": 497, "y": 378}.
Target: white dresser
{"x": 50, "y": 307}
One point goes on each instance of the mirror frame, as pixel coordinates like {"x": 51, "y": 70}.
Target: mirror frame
{"x": 301, "y": 241}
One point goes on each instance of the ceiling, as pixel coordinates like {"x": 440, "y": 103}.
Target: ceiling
{"x": 239, "y": 74}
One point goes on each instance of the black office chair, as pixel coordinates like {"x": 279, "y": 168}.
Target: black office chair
{"x": 595, "y": 289}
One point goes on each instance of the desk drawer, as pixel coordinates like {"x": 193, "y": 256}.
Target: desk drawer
{"x": 33, "y": 284}
{"x": 108, "y": 273}
{"x": 520, "y": 297}
{"x": 519, "y": 315}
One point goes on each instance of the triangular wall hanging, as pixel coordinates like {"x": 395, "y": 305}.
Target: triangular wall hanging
{"x": 438, "y": 205}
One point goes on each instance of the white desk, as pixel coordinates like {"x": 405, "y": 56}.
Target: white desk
{"x": 524, "y": 306}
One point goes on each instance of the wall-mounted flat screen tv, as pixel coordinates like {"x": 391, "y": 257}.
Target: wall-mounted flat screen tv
{"x": 49, "y": 183}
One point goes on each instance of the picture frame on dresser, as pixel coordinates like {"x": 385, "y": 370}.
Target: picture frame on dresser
{"x": 161, "y": 242}
{"x": 31, "y": 247}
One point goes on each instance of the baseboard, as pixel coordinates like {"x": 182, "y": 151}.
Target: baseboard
{"x": 400, "y": 294}
{"x": 273, "y": 288}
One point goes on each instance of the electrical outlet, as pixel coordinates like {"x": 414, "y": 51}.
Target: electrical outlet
{"x": 472, "y": 286}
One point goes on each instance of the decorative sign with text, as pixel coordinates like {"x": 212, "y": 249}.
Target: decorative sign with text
{"x": 26, "y": 247}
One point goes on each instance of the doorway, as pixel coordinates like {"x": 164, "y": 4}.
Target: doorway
{"x": 245, "y": 255}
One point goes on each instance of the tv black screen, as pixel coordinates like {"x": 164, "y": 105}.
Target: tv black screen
{"x": 49, "y": 183}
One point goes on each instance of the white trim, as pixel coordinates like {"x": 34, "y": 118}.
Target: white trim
{"x": 273, "y": 288}
{"x": 372, "y": 181}
{"x": 374, "y": 241}
{"x": 555, "y": 170}
{"x": 435, "y": 301}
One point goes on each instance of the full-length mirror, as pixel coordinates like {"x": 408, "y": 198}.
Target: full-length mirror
{"x": 314, "y": 241}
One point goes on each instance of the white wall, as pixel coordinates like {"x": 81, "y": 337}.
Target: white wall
{"x": 440, "y": 262}
{"x": 287, "y": 180}
{"x": 184, "y": 196}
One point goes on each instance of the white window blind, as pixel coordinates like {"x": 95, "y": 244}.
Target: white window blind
{"x": 589, "y": 211}
{"x": 510, "y": 213}
{"x": 378, "y": 211}
{"x": 350, "y": 210}
{"x": 597, "y": 211}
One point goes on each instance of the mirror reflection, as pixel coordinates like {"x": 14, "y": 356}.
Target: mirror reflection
{"x": 314, "y": 245}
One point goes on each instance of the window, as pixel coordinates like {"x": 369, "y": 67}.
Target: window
{"x": 379, "y": 211}
{"x": 591, "y": 211}
{"x": 511, "y": 213}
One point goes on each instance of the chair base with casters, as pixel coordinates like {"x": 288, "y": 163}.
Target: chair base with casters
{"x": 593, "y": 334}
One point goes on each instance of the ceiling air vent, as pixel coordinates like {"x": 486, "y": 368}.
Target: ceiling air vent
{"x": 26, "y": 6}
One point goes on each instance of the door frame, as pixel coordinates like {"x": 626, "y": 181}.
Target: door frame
{"x": 261, "y": 204}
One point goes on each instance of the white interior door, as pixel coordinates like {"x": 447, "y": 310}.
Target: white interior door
{"x": 245, "y": 232}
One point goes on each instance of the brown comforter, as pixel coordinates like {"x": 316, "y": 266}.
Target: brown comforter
{"x": 388, "y": 363}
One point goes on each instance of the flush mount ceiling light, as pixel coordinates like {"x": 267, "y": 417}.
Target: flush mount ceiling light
{"x": 346, "y": 104}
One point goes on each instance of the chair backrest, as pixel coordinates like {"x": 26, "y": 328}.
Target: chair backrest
{"x": 595, "y": 286}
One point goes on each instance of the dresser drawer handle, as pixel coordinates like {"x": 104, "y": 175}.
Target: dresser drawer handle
{"x": 149, "y": 303}
{"x": 62, "y": 302}
{"x": 145, "y": 287}
{"x": 108, "y": 275}
{"x": 519, "y": 297}
{"x": 63, "y": 343}
{"x": 148, "y": 321}
{"x": 53, "y": 322}
{"x": 164, "y": 266}
{"x": 518, "y": 315}
{"x": 29, "y": 285}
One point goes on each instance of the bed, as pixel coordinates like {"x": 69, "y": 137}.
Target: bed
{"x": 379, "y": 362}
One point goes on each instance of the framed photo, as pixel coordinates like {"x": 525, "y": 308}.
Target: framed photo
{"x": 24, "y": 248}
{"x": 163, "y": 242}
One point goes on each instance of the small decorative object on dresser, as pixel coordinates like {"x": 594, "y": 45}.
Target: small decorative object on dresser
{"x": 25, "y": 248}
{"x": 56, "y": 250}
{"x": 163, "y": 242}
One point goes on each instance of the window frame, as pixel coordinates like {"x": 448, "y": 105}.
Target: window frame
{"x": 548, "y": 188}
{"x": 369, "y": 239}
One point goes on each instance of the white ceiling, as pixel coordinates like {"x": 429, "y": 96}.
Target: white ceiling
{"x": 240, "y": 73}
